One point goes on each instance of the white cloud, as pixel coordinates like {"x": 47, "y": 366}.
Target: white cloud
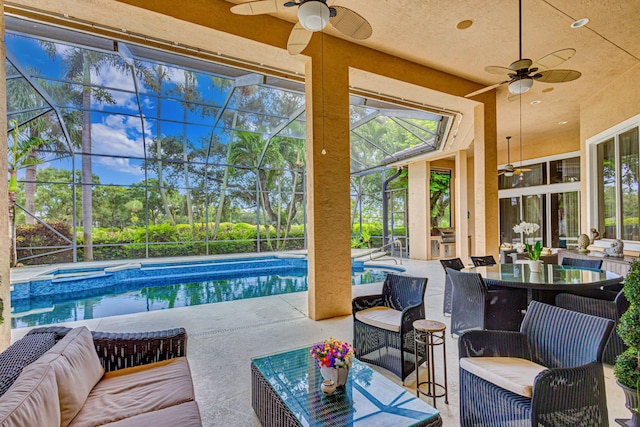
{"x": 120, "y": 165}
{"x": 118, "y": 136}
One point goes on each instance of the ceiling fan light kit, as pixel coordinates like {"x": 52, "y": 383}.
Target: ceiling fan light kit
{"x": 313, "y": 15}
{"x": 518, "y": 87}
{"x": 523, "y": 72}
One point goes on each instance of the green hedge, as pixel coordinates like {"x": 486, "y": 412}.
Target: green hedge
{"x": 165, "y": 240}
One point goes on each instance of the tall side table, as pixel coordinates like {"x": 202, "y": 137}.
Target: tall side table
{"x": 429, "y": 334}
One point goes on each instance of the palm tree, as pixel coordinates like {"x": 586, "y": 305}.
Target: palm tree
{"x": 78, "y": 67}
{"x": 189, "y": 93}
{"x": 155, "y": 79}
{"x": 19, "y": 157}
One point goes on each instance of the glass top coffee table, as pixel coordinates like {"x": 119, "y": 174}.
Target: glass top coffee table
{"x": 285, "y": 391}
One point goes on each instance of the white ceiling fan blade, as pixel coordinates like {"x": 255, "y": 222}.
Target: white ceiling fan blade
{"x": 298, "y": 39}
{"x": 557, "y": 76}
{"x": 256, "y": 7}
{"x": 351, "y": 24}
{"x": 495, "y": 69}
{"x": 485, "y": 89}
{"x": 554, "y": 59}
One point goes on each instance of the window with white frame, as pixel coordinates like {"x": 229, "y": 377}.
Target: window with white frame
{"x": 615, "y": 185}
{"x": 545, "y": 191}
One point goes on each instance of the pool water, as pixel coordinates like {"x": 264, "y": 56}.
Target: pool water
{"x": 128, "y": 297}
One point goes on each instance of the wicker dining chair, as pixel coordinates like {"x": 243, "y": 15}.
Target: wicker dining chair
{"x": 602, "y": 307}
{"x": 456, "y": 264}
{"x": 548, "y": 374}
{"x": 579, "y": 262}
{"x": 476, "y": 306}
{"x": 481, "y": 261}
{"x": 383, "y": 324}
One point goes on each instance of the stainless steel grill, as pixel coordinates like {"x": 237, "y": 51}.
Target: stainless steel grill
{"x": 448, "y": 235}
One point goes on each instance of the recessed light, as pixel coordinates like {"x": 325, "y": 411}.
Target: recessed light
{"x": 547, "y": 89}
{"x": 463, "y": 25}
{"x": 536, "y": 102}
{"x": 562, "y": 123}
{"x": 580, "y": 23}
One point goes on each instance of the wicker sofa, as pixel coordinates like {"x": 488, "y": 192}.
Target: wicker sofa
{"x": 73, "y": 377}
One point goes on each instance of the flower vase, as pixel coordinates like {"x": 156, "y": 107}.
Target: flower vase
{"x": 337, "y": 375}
{"x": 328, "y": 387}
{"x": 536, "y": 266}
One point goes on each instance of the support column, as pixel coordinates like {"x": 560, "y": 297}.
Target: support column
{"x": 328, "y": 192}
{"x": 485, "y": 159}
{"x": 419, "y": 209}
{"x": 461, "y": 208}
{"x": 5, "y": 293}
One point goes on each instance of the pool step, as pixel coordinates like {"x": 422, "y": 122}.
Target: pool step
{"x": 221, "y": 267}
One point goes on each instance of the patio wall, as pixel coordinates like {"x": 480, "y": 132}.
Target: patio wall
{"x": 608, "y": 107}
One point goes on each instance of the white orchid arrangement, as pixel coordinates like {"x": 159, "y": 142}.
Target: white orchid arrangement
{"x": 529, "y": 228}
{"x": 526, "y": 228}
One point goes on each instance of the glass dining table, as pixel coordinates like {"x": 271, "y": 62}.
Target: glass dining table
{"x": 552, "y": 278}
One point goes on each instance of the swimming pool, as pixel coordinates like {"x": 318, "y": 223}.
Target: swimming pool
{"x": 64, "y": 295}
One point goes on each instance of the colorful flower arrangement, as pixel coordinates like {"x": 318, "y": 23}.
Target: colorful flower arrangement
{"x": 333, "y": 353}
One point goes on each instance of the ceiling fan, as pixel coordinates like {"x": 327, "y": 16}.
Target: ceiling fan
{"x": 523, "y": 72}
{"x": 509, "y": 169}
{"x": 313, "y": 15}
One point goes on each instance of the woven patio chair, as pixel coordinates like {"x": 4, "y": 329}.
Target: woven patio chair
{"x": 586, "y": 263}
{"x": 383, "y": 324}
{"x": 548, "y": 374}
{"x": 481, "y": 261}
{"x": 456, "y": 264}
{"x": 601, "y": 307}
{"x": 476, "y": 306}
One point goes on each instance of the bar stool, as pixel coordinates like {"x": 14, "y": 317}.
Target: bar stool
{"x": 429, "y": 334}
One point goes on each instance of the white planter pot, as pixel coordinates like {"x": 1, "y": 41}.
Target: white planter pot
{"x": 337, "y": 375}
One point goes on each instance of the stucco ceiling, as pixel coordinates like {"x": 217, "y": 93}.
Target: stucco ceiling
{"x": 425, "y": 32}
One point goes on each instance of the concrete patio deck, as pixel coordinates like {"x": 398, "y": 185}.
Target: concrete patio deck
{"x": 223, "y": 337}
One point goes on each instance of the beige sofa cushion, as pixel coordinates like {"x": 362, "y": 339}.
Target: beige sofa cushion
{"x": 77, "y": 368}
{"x": 32, "y": 400}
{"x": 132, "y": 391}
{"x": 511, "y": 373}
{"x": 183, "y": 415}
{"x": 381, "y": 317}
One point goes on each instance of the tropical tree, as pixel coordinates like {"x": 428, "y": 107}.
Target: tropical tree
{"x": 440, "y": 197}
{"x": 246, "y": 150}
{"x": 54, "y": 195}
{"x": 19, "y": 157}
{"x": 155, "y": 78}
{"x": 79, "y": 65}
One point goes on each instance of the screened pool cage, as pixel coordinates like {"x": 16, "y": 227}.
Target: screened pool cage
{"x": 129, "y": 152}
